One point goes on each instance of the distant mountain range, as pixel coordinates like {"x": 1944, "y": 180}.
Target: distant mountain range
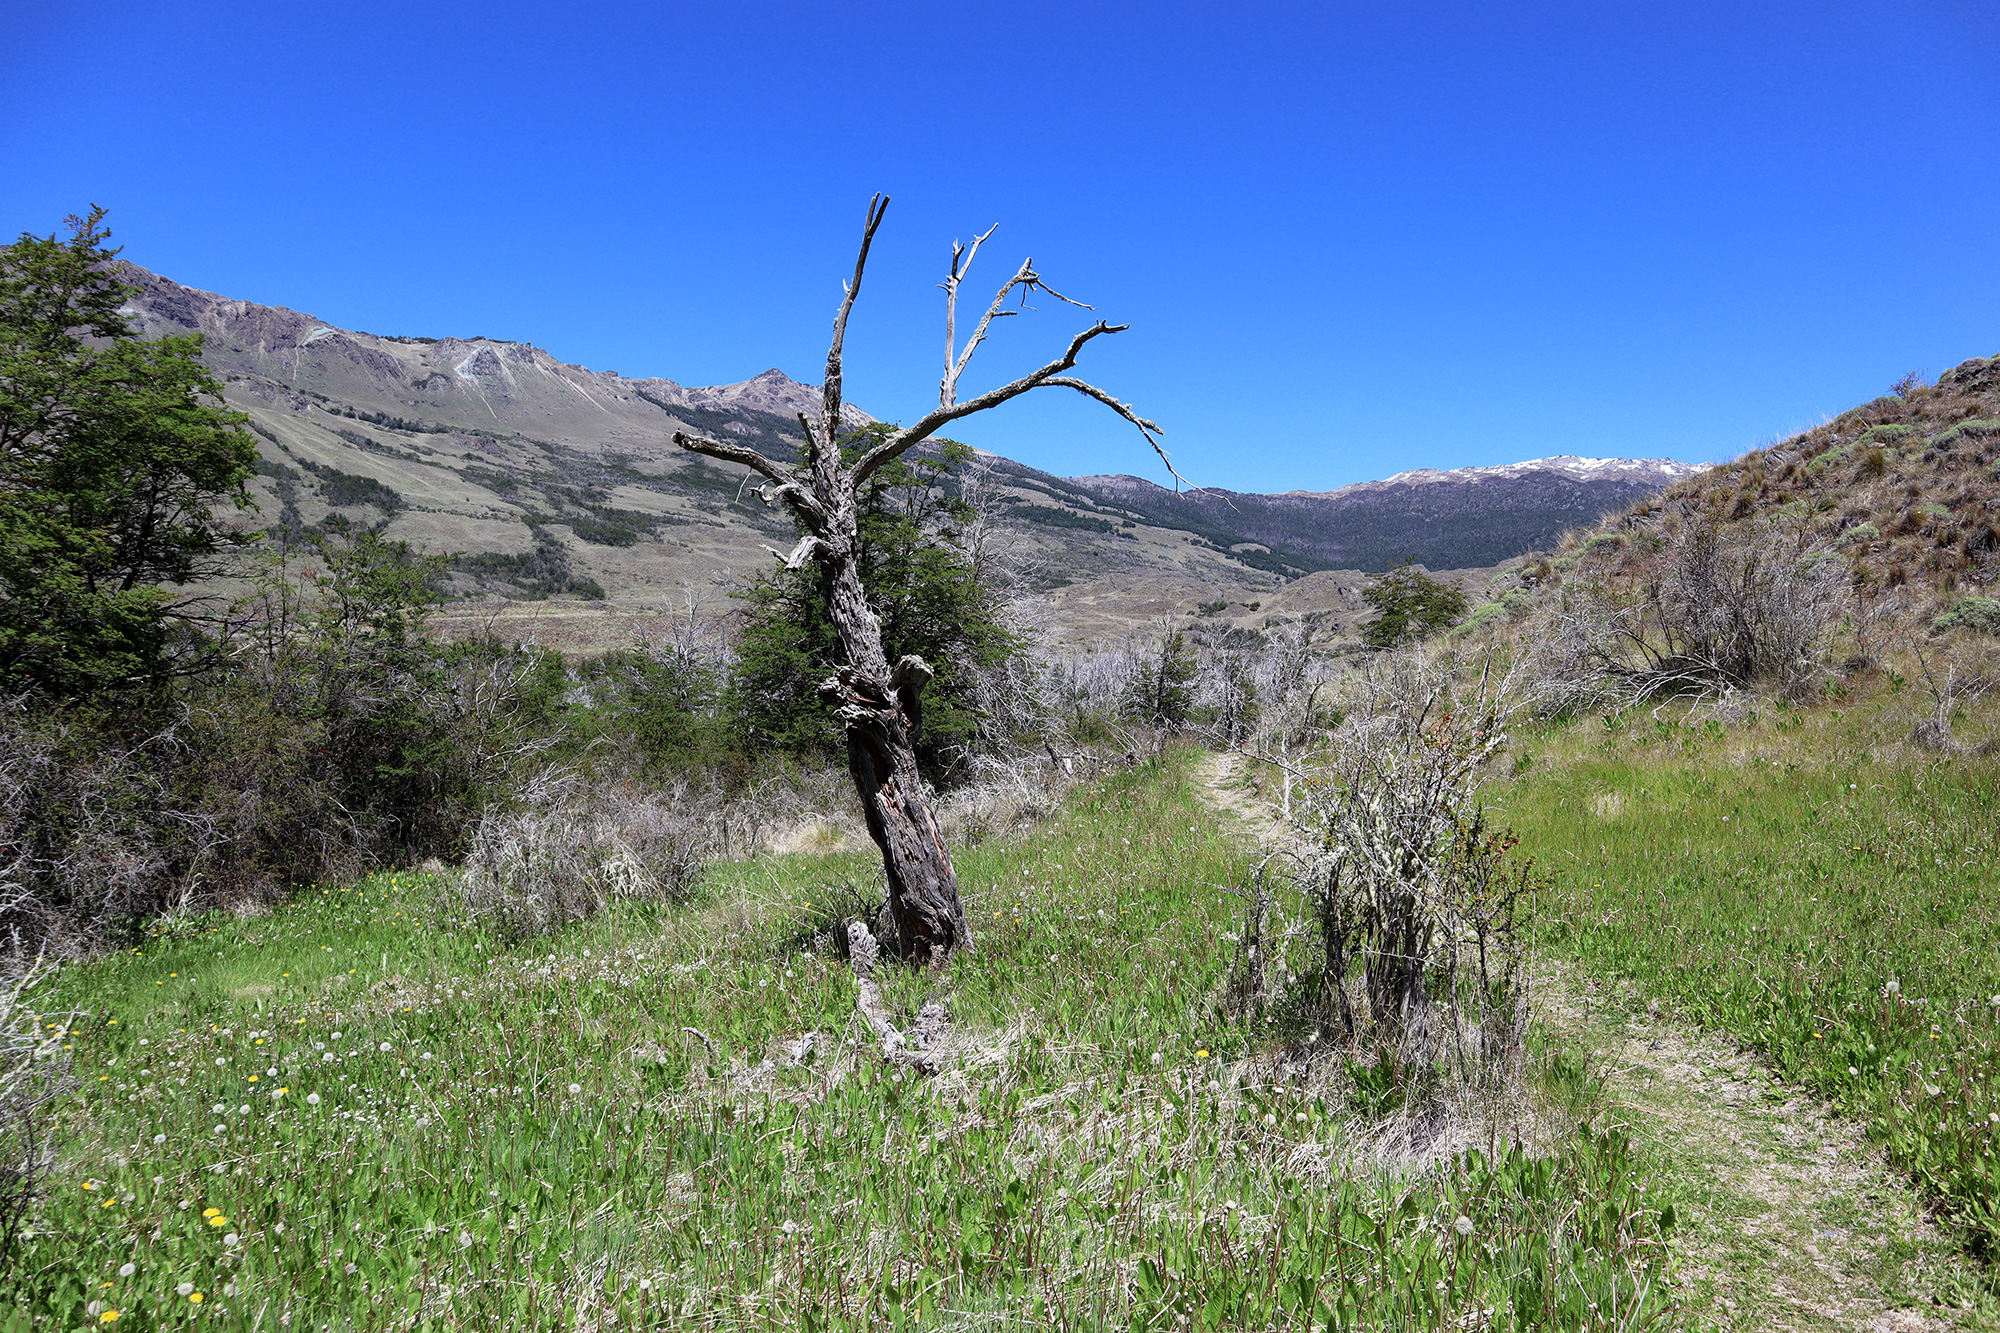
{"x": 551, "y": 480}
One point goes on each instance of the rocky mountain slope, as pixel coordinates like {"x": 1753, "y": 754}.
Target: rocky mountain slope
{"x": 557, "y": 486}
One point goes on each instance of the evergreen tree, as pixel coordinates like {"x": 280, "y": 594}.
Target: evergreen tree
{"x": 1413, "y": 606}
{"x": 113, "y": 460}
{"x": 921, "y": 586}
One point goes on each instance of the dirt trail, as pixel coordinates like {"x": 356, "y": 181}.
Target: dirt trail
{"x": 1790, "y": 1219}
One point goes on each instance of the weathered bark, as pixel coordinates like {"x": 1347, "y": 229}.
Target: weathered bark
{"x": 881, "y": 720}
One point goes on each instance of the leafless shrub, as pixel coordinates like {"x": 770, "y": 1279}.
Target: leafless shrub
{"x": 34, "y": 1077}
{"x": 1001, "y": 793}
{"x": 1712, "y": 609}
{"x": 1405, "y": 879}
{"x": 1950, "y": 684}
{"x": 538, "y": 869}
{"x": 89, "y": 833}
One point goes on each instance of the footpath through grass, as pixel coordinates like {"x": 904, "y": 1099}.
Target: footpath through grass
{"x": 1813, "y": 886}
{"x": 354, "y": 1113}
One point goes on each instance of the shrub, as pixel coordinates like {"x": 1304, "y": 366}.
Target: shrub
{"x": 1970, "y": 612}
{"x": 1860, "y": 532}
{"x": 34, "y": 1078}
{"x": 1965, "y": 432}
{"x": 1719, "y": 608}
{"x": 1409, "y": 883}
{"x": 537, "y": 870}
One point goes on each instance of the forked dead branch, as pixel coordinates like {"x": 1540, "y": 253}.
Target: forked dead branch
{"x": 879, "y": 704}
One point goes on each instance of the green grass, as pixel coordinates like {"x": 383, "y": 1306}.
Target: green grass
{"x": 1826, "y": 894}
{"x": 419, "y": 1128}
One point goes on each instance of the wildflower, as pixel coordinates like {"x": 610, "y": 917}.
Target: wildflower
{"x": 108, "y": 1317}
{"x": 218, "y": 1221}
{"x": 1201, "y": 1055}
{"x": 195, "y": 1296}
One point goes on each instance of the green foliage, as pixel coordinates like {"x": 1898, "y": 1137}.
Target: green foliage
{"x": 572, "y": 1121}
{"x": 112, "y": 465}
{"x": 1412, "y": 604}
{"x": 666, "y": 704}
{"x": 341, "y": 489}
{"x": 537, "y": 574}
{"x": 1161, "y": 693}
{"x": 921, "y": 585}
{"x": 1970, "y": 611}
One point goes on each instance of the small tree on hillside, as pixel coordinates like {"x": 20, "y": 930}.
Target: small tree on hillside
{"x": 1413, "y": 605}
{"x": 879, "y": 704}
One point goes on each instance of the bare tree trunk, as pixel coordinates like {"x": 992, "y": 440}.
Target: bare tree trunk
{"x": 881, "y": 720}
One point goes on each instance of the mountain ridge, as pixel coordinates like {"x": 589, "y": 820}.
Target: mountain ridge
{"x": 548, "y": 479}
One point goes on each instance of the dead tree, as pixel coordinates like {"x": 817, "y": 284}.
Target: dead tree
{"x": 879, "y": 704}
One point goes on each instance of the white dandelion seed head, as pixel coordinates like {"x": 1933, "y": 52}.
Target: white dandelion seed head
{"x": 127, "y": 1270}
{"x": 387, "y": 1047}
{"x": 220, "y": 1129}
{"x": 1462, "y": 1225}
{"x": 232, "y": 1240}
{"x": 575, "y": 1088}
{"x": 1157, "y": 1057}
{"x": 312, "y": 1099}
{"x": 1852, "y": 1072}
{"x": 158, "y": 1139}
{"x": 184, "y": 1289}
{"x": 1270, "y": 1121}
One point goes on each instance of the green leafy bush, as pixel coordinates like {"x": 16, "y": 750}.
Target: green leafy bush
{"x": 1971, "y": 611}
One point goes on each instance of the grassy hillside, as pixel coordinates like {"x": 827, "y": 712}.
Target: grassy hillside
{"x": 1906, "y": 488}
{"x": 355, "y": 1113}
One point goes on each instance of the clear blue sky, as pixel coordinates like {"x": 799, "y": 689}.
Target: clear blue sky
{"x": 1350, "y": 239}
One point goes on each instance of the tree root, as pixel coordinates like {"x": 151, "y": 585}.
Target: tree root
{"x": 916, "y": 1048}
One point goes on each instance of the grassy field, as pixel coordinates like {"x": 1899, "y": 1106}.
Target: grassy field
{"x": 355, "y": 1113}
{"x": 1814, "y": 886}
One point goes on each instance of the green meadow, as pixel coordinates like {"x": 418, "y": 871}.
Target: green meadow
{"x": 355, "y": 1112}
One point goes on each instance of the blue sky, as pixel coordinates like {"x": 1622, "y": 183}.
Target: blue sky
{"x": 1350, "y": 239}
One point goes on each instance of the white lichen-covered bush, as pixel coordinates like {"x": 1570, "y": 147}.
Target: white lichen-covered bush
{"x": 534, "y": 870}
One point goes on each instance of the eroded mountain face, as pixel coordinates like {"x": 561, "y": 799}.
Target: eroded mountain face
{"x": 557, "y": 485}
